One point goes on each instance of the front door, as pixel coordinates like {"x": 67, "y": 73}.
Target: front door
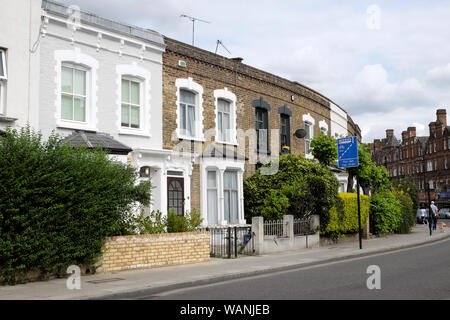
{"x": 175, "y": 195}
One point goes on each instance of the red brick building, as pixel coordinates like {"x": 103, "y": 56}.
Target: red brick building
{"x": 425, "y": 159}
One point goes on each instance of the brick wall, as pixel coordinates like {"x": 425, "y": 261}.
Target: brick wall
{"x": 155, "y": 250}
{"x": 213, "y": 72}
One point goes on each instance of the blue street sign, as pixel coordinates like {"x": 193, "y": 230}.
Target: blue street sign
{"x": 348, "y": 152}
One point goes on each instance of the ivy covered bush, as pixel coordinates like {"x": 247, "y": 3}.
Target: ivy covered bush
{"x": 344, "y": 216}
{"x": 58, "y": 204}
{"x": 299, "y": 187}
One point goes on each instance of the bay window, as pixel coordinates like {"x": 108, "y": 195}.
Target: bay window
{"x": 231, "y": 199}
{"x": 212, "y": 197}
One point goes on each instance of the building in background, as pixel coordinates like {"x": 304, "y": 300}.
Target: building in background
{"x": 425, "y": 159}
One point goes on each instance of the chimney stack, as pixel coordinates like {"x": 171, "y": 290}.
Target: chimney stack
{"x": 441, "y": 115}
{"x": 412, "y": 131}
{"x": 405, "y": 135}
{"x": 389, "y": 133}
{"x": 377, "y": 143}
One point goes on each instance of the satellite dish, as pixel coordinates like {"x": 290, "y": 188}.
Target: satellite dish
{"x": 300, "y": 133}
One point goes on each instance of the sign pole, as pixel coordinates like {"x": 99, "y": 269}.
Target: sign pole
{"x": 348, "y": 158}
{"x": 359, "y": 210}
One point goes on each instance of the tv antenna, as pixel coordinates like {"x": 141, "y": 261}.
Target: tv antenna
{"x": 193, "y": 24}
{"x": 221, "y": 43}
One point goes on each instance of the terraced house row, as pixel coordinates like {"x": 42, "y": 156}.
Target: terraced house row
{"x": 194, "y": 122}
{"x": 425, "y": 159}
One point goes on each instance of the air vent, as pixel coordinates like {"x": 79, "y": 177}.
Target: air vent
{"x": 182, "y": 63}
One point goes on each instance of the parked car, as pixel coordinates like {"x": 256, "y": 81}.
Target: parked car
{"x": 444, "y": 213}
{"x": 422, "y": 215}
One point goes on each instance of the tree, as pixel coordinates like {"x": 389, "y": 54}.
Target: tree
{"x": 58, "y": 204}
{"x": 324, "y": 149}
{"x": 300, "y": 187}
{"x": 371, "y": 177}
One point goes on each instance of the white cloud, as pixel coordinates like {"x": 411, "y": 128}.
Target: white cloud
{"x": 393, "y": 76}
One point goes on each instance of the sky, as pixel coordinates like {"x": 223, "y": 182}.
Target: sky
{"x": 387, "y": 63}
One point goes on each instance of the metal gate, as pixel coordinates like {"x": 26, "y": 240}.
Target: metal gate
{"x": 230, "y": 242}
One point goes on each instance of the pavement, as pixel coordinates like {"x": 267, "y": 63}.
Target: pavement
{"x": 131, "y": 284}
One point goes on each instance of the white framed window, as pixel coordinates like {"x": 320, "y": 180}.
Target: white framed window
{"x": 225, "y": 103}
{"x": 74, "y": 95}
{"x": 323, "y": 127}
{"x": 429, "y": 166}
{"x": 189, "y": 110}
{"x": 224, "y": 119}
{"x": 3, "y": 79}
{"x": 131, "y": 103}
{"x": 76, "y": 80}
{"x": 133, "y": 100}
{"x": 3, "y": 73}
{"x": 187, "y": 113}
{"x": 309, "y": 123}
{"x": 212, "y": 200}
{"x": 308, "y": 137}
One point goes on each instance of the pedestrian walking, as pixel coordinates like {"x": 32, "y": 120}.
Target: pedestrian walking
{"x": 434, "y": 214}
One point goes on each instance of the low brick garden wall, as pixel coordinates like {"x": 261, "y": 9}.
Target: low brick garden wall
{"x": 154, "y": 250}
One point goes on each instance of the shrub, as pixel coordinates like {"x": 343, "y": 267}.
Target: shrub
{"x": 150, "y": 224}
{"x": 310, "y": 188}
{"x": 344, "y": 216}
{"x": 386, "y": 211}
{"x": 58, "y": 204}
{"x": 187, "y": 223}
{"x": 408, "y": 214}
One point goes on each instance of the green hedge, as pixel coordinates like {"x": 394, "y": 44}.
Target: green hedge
{"x": 58, "y": 204}
{"x": 344, "y": 216}
{"x": 408, "y": 214}
{"x": 386, "y": 211}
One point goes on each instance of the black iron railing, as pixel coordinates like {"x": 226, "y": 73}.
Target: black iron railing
{"x": 230, "y": 242}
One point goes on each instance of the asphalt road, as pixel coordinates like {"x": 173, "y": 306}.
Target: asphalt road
{"x": 416, "y": 273}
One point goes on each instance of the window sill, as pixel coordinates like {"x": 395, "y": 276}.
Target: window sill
{"x": 75, "y": 125}
{"x": 227, "y": 143}
{"x": 263, "y": 152}
{"x": 136, "y": 132}
{"x": 192, "y": 138}
{"x": 7, "y": 119}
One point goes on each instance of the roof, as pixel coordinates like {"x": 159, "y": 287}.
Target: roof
{"x": 213, "y": 151}
{"x": 101, "y": 140}
{"x": 94, "y": 20}
{"x": 391, "y": 141}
